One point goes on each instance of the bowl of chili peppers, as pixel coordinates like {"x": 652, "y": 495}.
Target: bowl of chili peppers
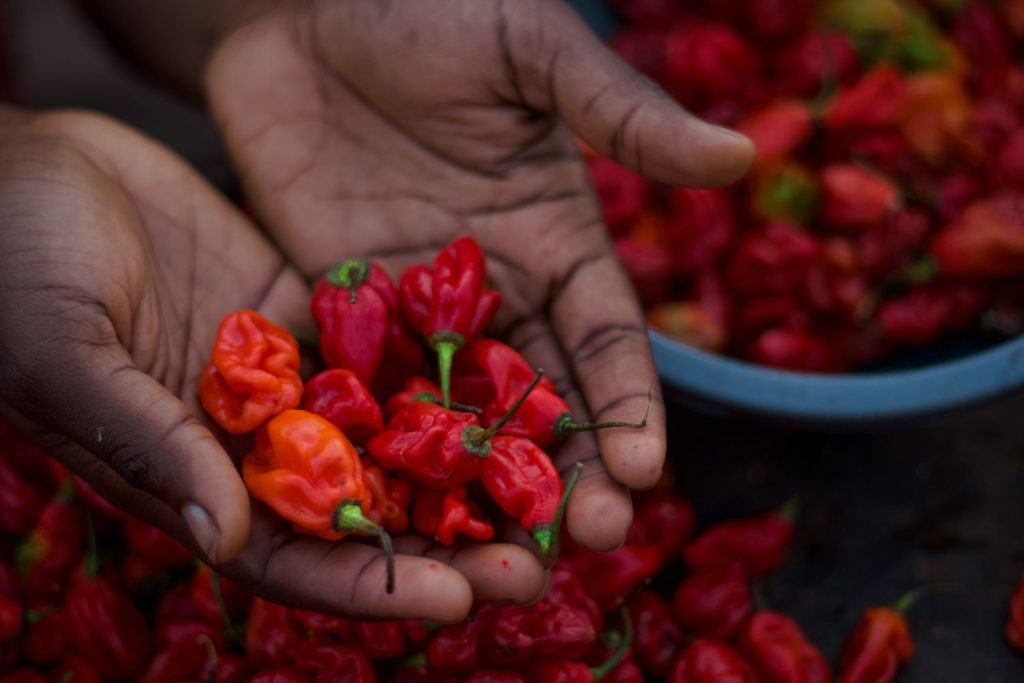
{"x": 871, "y": 264}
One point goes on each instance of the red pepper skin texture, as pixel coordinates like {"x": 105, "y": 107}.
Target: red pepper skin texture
{"x": 701, "y": 225}
{"x": 753, "y": 547}
{"x": 48, "y": 640}
{"x": 253, "y": 373}
{"x": 20, "y": 501}
{"x": 333, "y": 663}
{"x": 53, "y": 547}
{"x": 878, "y": 645}
{"x": 710, "y": 661}
{"x": 152, "y": 544}
{"x": 986, "y": 242}
{"x": 778, "y": 651}
{"x": 523, "y": 481}
{"x": 353, "y": 305}
{"x": 107, "y": 629}
{"x": 10, "y": 619}
{"x": 855, "y": 199}
{"x": 645, "y": 259}
{"x": 712, "y": 605}
{"x": 777, "y": 130}
{"x": 444, "y": 515}
{"x": 425, "y": 441}
{"x": 775, "y": 258}
{"x": 623, "y": 193}
{"x": 657, "y": 639}
{"x": 875, "y": 101}
{"x": 183, "y": 652}
{"x": 707, "y": 63}
{"x": 415, "y": 389}
{"x": 272, "y": 635}
{"x": 423, "y": 674}
{"x": 560, "y": 671}
{"x": 663, "y": 520}
{"x": 235, "y": 598}
{"x": 1014, "y": 628}
{"x": 610, "y": 577}
{"x": 231, "y": 668}
{"x": 75, "y": 669}
{"x": 343, "y": 400}
{"x": 390, "y": 498}
{"x": 488, "y": 676}
{"x": 790, "y": 349}
{"x": 281, "y": 674}
{"x": 923, "y": 314}
{"x": 801, "y": 69}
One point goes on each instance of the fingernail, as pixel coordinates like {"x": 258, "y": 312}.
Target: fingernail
{"x": 202, "y": 528}
{"x": 729, "y": 131}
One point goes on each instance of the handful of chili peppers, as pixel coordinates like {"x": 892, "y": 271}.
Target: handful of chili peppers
{"x": 885, "y": 208}
{"x": 113, "y": 599}
{"x": 456, "y": 448}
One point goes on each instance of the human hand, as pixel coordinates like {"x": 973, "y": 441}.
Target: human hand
{"x": 385, "y": 129}
{"x": 117, "y": 263}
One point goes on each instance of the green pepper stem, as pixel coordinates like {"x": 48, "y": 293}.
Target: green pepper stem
{"x": 348, "y": 517}
{"x": 212, "y": 664}
{"x": 231, "y": 630}
{"x": 92, "y": 554}
{"x": 908, "y": 600}
{"x": 566, "y": 425}
{"x": 349, "y": 274}
{"x": 445, "y": 352}
{"x": 548, "y": 536}
{"x": 493, "y": 429}
{"x": 625, "y": 643}
{"x": 789, "y": 510}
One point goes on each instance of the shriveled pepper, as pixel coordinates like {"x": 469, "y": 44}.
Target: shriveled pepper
{"x": 661, "y": 519}
{"x": 272, "y": 634}
{"x": 712, "y": 605}
{"x": 421, "y": 389}
{"x": 443, "y": 515}
{"x": 353, "y": 304}
{"x": 609, "y": 578}
{"x": 325, "y": 662}
{"x": 879, "y": 645}
{"x": 711, "y": 661}
{"x": 390, "y": 497}
{"x": 309, "y": 473}
{"x": 253, "y": 373}
{"x": 778, "y": 651}
{"x": 449, "y": 304}
{"x": 188, "y": 650}
{"x": 657, "y": 638}
{"x": 754, "y": 546}
{"x": 568, "y": 671}
{"x": 1014, "y": 628}
{"x": 341, "y": 398}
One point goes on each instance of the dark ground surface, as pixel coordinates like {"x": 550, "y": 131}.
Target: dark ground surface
{"x": 936, "y": 503}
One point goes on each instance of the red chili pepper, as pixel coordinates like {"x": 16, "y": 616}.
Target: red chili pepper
{"x": 48, "y": 639}
{"x": 353, "y": 305}
{"x": 148, "y": 542}
{"x": 987, "y": 242}
{"x": 979, "y": 35}
{"x": 343, "y": 400}
{"x": 879, "y": 644}
{"x": 75, "y": 670}
{"x": 415, "y": 390}
{"x": 611, "y": 577}
{"x": 11, "y": 617}
{"x": 449, "y": 305}
{"x": 390, "y": 498}
{"x": 497, "y": 377}
{"x": 753, "y": 547}
{"x": 253, "y": 373}
{"x": 379, "y": 640}
{"x": 280, "y": 674}
{"x": 444, "y": 514}
{"x": 712, "y": 605}
{"x": 333, "y": 663}
{"x": 774, "y": 258}
{"x": 106, "y": 628}
{"x": 622, "y": 193}
{"x": 489, "y": 676}
{"x": 403, "y": 357}
{"x": 567, "y": 589}
{"x": 701, "y": 225}
{"x": 923, "y": 314}
{"x": 272, "y": 634}
{"x": 217, "y": 598}
{"x": 709, "y": 661}
{"x": 185, "y": 650}
{"x": 894, "y": 245}
{"x": 231, "y": 668}
{"x": 796, "y": 350}
{"x": 936, "y": 114}
{"x": 855, "y": 199}
{"x": 658, "y": 639}
{"x": 177, "y": 605}
{"x": 1015, "y": 622}
{"x": 647, "y": 262}
{"x": 661, "y": 519}
{"x": 875, "y": 101}
{"x": 785, "y": 192}
{"x": 423, "y": 674}
{"x": 707, "y": 63}
{"x": 777, "y": 130}
{"x": 816, "y": 60}
{"x": 20, "y": 500}
{"x": 54, "y": 546}
{"x": 309, "y": 473}
{"x": 779, "y": 652}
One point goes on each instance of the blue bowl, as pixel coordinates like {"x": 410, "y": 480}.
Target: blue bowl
{"x": 952, "y": 374}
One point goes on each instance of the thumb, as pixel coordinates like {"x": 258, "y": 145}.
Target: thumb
{"x": 561, "y": 67}
{"x": 109, "y": 410}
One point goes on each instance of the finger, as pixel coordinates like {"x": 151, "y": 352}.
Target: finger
{"x": 602, "y": 333}
{"x": 561, "y": 66}
{"x": 137, "y": 428}
{"x": 599, "y": 510}
{"x": 497, "y": 572}
{"x": 348, "y": 577}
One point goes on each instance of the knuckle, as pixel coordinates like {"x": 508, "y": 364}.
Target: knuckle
{"x": 607, "y": 340}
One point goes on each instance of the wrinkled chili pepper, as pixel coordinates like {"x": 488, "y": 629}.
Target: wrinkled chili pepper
{"x": 777, "y": 130}
{"x": 874, "y": 101}
{"x": 611, "y": 577}
{"x": 700, "y": 227}
{"x": 855, "y": 199}
{"x": 55, "y": 544}
{"x": 790, "y": 349}
{"x": 390, "y": 497}
{"x": 444, "y": 514}
{"x": 218, "y": 600}
{"x": 252, "y": 374}
{"x": 711, "y": 661}
{"x": 154, "y": 545}
{"x": 879, "y": 644}
{"x": 926, "y": 312}
{"x": 279, "y": 674}
{"x": 188, "y": 650}
{"x": 643, "y": 254}
{"x": 106, "y": 628}
{"x": 773, "y": 258}
{"x": 491, "y": 676}
{"x": 1014, "y": 628}
{"x": 568, "y": 671}
{"x": 657, "y": 638}
{"x": 325, "y": 662}
{"x": 416, "y": 389}
{"x": 778, "y": 651}
{"x": 497, "y": 377}
{"x": 753, "y": 547}
{"x": 986, "y": 242}
{"x": 661, "y": 519}
{"x": 272, "y": 634}
{"x": 449, "y": 304}
{"x": 622, "y": 193}
{"x": 707, "y": 63}
{"x": 342, "y": 399}
{"x": 20, "y": 501}
{"x": 816, "y": 61}
{"x": 712, "y": 605}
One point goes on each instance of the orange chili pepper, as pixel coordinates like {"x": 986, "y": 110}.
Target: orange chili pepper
{"x": 391, "y": 497}
{"x": 253, "y": 373}
{"x": 309, "y": 473}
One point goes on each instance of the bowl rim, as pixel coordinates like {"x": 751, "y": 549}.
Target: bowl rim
{"x": 870, "y": 396}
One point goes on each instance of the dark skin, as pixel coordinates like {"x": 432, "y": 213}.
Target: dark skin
{"x": 369, "y": 128}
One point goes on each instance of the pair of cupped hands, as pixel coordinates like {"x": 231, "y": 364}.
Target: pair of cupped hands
{"x": 358, "y": 128}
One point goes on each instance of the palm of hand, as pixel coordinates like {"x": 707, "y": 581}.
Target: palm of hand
{"x": 370, "y": 129}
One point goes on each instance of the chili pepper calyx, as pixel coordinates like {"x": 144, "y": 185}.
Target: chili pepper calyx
{"x": 446, "y": 344}
{"x": 476, "y": 441}
{"x": 908, "y": 600}
{"x": 349, "y": 274}
{"x": 548, "y": 536}
{"x": 211, "y": 658}
{"x": 428, "y": 397}
{"x": 625, "y": 642}
{"x": 566, "y": 425}
{"x": 348, "y": 517}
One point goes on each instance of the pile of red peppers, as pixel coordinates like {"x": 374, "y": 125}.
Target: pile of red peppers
{"x": 885, "y": 207}
{"x": 89, "y": 594}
